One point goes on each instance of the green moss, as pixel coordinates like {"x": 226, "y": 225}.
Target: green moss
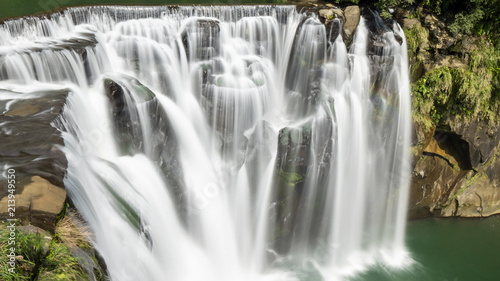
{"x": 456, "y": 92}
{"x": 290, "y": 178}
{"x": 416, "y": 38}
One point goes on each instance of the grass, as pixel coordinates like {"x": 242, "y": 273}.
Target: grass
{"x": 39, "y": 257}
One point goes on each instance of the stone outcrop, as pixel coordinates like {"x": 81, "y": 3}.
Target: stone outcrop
{"x": 296, "y": 160}
{"x": 456, "y": 168}
{"x": 126, "y": 94}
{"x": 349, "y": 18}
{"x": 30, "y": 145}
{"x": 352, "y": 15}
{"x": 456, "y": 173}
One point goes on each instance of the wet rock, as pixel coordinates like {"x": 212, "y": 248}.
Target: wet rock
{"x": 290, "y": 167}
{"x": 305, "y": 69}
{"x": 200, "y": 38}
{"x": 126, "y": 94}
{"x": 333, "y": 29}
{"x": 304, "y": 151}
{"x": 433, "y": 183}
{"x": 30, "y": 145}
{"x": 126, "y": 117}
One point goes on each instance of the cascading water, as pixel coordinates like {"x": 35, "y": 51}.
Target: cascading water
{"x": 226, "y": 143}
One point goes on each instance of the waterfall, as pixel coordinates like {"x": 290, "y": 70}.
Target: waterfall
{"x": 226, "y": 142}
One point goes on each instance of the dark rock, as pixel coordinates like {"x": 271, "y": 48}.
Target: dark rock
{"x": 456, "y": 173}
{"x": 126, "y": 117}
{"x": 201, "y": 39}
{"x": 298, "y": 161}
{"x": 292, "y": 160}
{"x": 126, "y": 94}
{"x": 30, "y": 145}
{"x": 481, "y": 138}
{"x": 305, "y": 70}
{"x": 333, "y": 29}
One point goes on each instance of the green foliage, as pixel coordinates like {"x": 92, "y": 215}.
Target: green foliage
{"x": 480, "y": 17}
{"x": 465, "y": 22}
{"x": 38, "y": 258}
{"x": 24, "y": 244}
{"x": 61, "y": 265}
{"x": 456, "y": 92}
{"x": 416, "y": 38}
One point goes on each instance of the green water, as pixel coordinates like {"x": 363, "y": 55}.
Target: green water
{"x": 448, "y": 250}
{"x": 15, "y": 8}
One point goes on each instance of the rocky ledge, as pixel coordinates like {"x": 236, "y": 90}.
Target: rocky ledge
{"x": 30, "y": 146}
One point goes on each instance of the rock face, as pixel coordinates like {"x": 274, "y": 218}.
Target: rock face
{"x": 201, "y": 39}
{"x": 126, "y": 96}
{"x": 335, "y": 17}
{"x": 456, "y": 170}
{"x": 456, "y": 174}
{"x": 297, "y": 160}
{"x": 30, "y": 146}
{"x": 352, "y": 15}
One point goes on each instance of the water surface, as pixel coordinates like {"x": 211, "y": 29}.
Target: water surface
{"x": 448, "y": 250}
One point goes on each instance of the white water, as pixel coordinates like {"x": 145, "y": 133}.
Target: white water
{"x": 252, "y": 148}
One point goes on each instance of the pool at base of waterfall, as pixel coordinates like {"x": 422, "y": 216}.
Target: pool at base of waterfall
{"x": 454, "y": 249}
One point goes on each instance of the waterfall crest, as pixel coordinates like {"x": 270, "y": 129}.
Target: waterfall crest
{"x": 226, "y": 142}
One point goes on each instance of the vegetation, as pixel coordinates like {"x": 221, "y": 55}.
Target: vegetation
{"x": 480, "y": 17}
{"x": 469, "y": 90}
{"x": 40, "y": 257}
{"x": 447, "y": 92}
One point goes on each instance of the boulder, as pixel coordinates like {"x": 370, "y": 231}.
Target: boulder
{"x": 40, "y": 202}
{"x": 352, "y": 15}
{"x": 326, "y": 13}
{"x": 297, "y": 162}
{"x": 126, "y": 94}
